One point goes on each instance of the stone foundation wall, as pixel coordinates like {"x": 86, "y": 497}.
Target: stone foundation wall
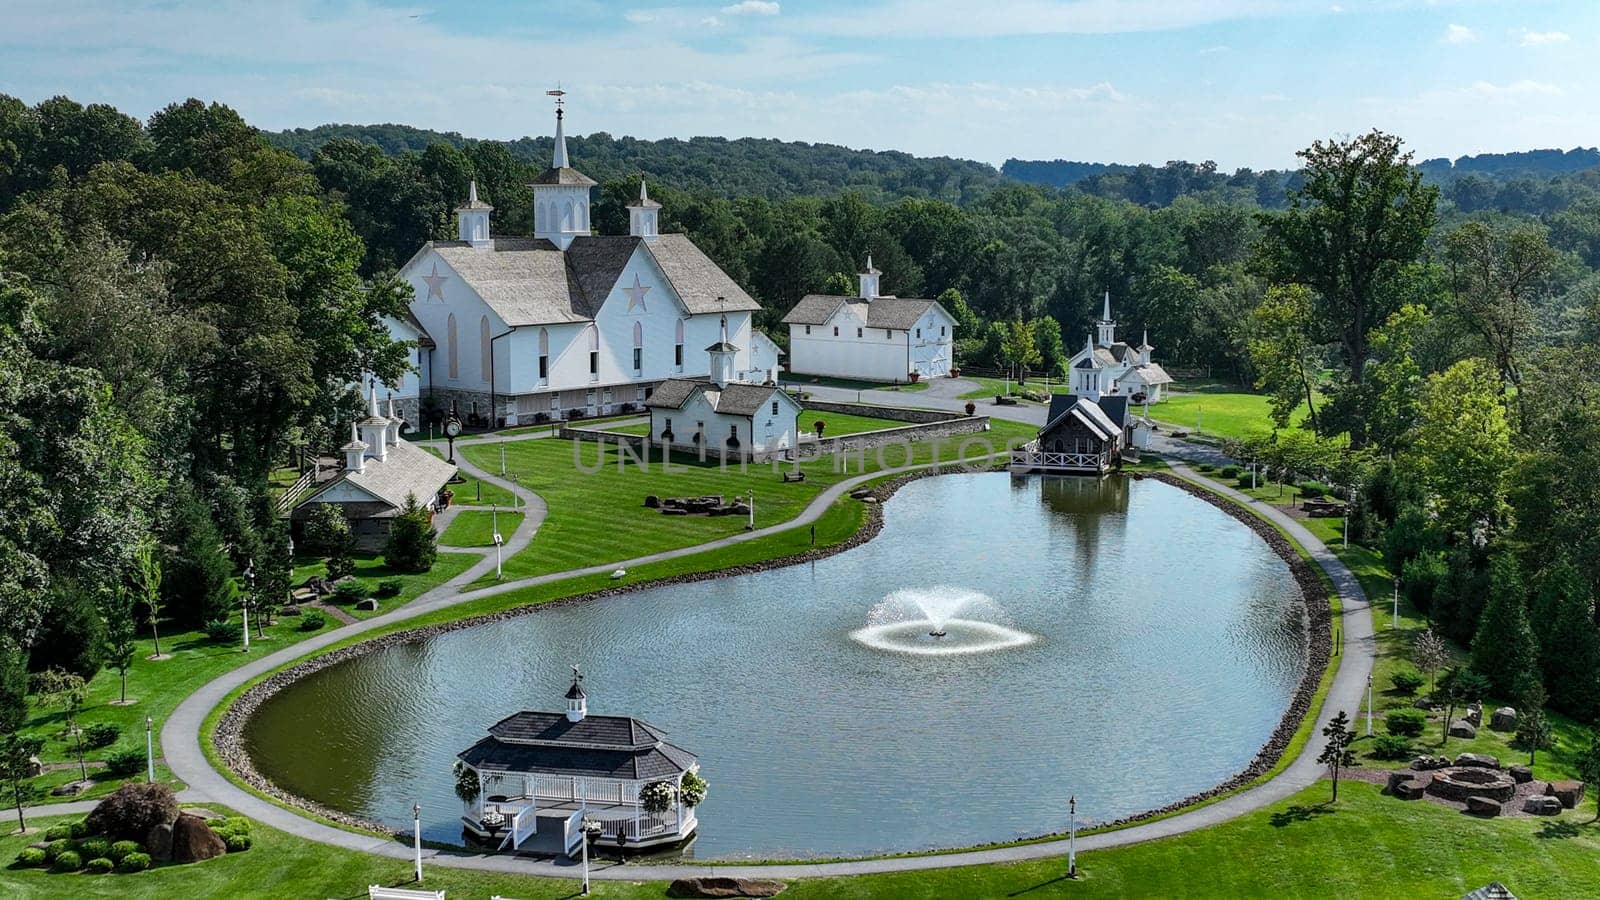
{"x": 957, "y": 426}
{"x": 872, "y": 411}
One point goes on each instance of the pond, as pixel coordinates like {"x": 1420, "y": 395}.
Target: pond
{"x": 1118, "y": 640}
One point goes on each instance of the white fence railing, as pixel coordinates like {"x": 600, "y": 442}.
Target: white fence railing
{"x": 1038, "y": 459}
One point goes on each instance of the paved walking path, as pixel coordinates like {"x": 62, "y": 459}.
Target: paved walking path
{"x": 181, "y": 733}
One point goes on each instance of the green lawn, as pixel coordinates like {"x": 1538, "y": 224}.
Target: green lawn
{"x": 834, "y": 424}
{"x": 849, "y": 384}
{"x": 1367, "y": 845}
{"x": 475, "y": 528}
{"x": 370, "y": 570}
{"x": 991, "y": 387}
{"x": 471, "y": 491}
{"x": 600, "y": 517}
{"x": 1218, "y": 414}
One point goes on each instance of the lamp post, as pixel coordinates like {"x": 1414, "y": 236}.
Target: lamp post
{"x": 591, "y": 830}
{"x": 751, "y": 525}
{"x": 1072, "y": 837}
{"x": 1395, "y": 618}
{"x": 416, "y": 837}
{"x": 498, "y": 540}
{"x": 149, "y": 750}
{"x": 244, "y": 602}
{"x": 1369, "y": 704}
{"x": 502, "y": 457}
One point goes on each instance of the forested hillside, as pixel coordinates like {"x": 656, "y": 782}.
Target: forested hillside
{"x": 746, "y": 167}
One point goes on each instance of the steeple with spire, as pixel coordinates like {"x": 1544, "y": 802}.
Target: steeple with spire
{"x": 561, "y": 193}
{"x": 375, "y": 427}
{"x": 869, "y": 280}
{"x": 1106, "y": 327}
{"x": 472, "y": 220}
{"x": 722, "y": 355}
{"x": 1086, "y": 373}
{"x": 642, "y": 215}
{"x": 577, "y": 700}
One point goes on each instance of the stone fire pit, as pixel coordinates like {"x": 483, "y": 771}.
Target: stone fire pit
{"x": 1461, "y": 782}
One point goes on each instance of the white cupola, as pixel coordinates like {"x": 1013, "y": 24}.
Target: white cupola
{"x": 643, "y": 215}
{"x": 393, "y": 436}
{"x": 722, "y": 355}
{"x": 577, "y": 701}
{"x": 561, "y": 193}
{"x": 355, "y": 452}
{"x": 375, "y": 428}
{"x": 1086, "y": 373}
{"x": 472, "y": 220}
{"x": 869, "y": 280}
{"x": 1106, "y": 327}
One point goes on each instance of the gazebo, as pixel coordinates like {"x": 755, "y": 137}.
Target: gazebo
{"x": 541, "y": 775}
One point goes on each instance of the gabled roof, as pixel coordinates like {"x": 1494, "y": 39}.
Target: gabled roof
{"x": 1084, "y": 410}
{"x": 406, "y": 469}
{"x": 737, "y": 398}
{"x": 813, "y": 309}
{"x": 423, "y": 339}
{"x": 698, "y": 282}
{"x": 898, "y": 313}
{"x": 1149, "y": 373}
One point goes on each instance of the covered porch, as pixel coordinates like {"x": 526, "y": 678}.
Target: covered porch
{"x": 545, "y": 814}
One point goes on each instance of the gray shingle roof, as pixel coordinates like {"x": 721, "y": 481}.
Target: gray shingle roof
{"x": 1085, "y": 411}
{"x": 813, "y": 309}
{"x": 742, "y": 399}
{"x": 736, "y": 399}
{"x": 408, "y": 469}
{"x": 674, "y": 392}
{"x": 660, "y": 761}
{"x": 553, "y": 729}
{"x": 697, "y": 280}
{"x": 567, "y": 175}
{"x": 1151, "y": 373}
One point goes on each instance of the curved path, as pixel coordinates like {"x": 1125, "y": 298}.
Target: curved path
{"x": 181, "y": 735}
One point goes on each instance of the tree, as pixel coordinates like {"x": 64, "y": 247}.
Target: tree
{"x": 412, "y": 543}
{"x": 1533, "y": 728}
{"x": 147, "y": 581}
{"x": 327, "y": 531}
{"x": 1337, "y": 755}
{"x": 1430, "y": 654}
{"x": 13, "y": 687}
{"x": 1047, "y": 338}
{"x": 1461, "y": 450}
{"x": 199, "y": 585}
{"x": 73, "y": 636}
{"x": 1350, "y": 233}
{"x": 1570, "y": 649}
{"x": 17, "y": 752}
{"x": 1280, "y": 351}
{"x": 1588, "y": 764}
{"x": 1504, "y": 647}
{"x": 120, "y": 629}
{"x": 1019, "y": 349}
{"x": 956, "y": 306}
{"x": 58, "y": 689}
{"x": 1458, "y": 687}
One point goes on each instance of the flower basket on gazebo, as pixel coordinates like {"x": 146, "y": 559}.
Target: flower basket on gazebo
{"x": 658, "y": 796}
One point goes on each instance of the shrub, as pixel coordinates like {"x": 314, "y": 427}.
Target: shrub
{"x": 237, "y": 823}
{"x": 125, "y": 760}
{"x": 390, "y": 587}
{"x": 56, "y": 848}
{"x": 237, "y": 843}
{"x": 413, "y": 544}
{"x": 1407, "y": 681}
{"x": 30, "y": 858}
{"x": 1229, "y": 472}
{"x": 1244, "y": 480}
{"x": 101, "y": 734}
{"x": 134, "y": 862}
{"x": 121, "y": 849}
{"x": 58, "y": 832}
{"x": 78, "y": 829}
{"x": 221, "y": 631}
{"x": 349, "y": 593}
{"x": 100, "y": 866}
{"x": 69, "y": 861}
{"x": 312, "y": 620}
{"x": 1313, "y": 489}
{"x": 133, "y": 810}
{"x": 1205, "y": 467}
{"x": 1391, "y": 746}
{"x": 94, "y": 847}
{"x": 1405, "y": 722}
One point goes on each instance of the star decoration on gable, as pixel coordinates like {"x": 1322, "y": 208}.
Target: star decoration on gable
{"x": 636, "y": 294}
{"x": 435, "y": 283}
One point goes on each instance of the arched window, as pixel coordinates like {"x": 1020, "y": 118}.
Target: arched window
{"x": 677, "y": 348}
{"x": 544, "y": 353}
{"x": 566, "y": 216}
{"x": 638, "y": 346}
{"x": 583, "y": 216}
{"x": 638, "y": 335}
{"x": 450, "y": 345}
{"x": 485, "y": 349}
{"x": 541, "y": 217}
{"x": 594, "y": 353}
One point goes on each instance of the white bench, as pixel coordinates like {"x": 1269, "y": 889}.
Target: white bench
{"x": 376, "y": 892}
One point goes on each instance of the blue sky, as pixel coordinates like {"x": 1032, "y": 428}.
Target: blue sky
{"x": 1241, "y": 82}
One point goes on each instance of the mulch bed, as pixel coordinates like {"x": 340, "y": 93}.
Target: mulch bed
{"x": 1511, "y": 809}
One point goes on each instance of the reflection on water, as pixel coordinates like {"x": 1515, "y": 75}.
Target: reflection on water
{"x": 1166, "y": 642}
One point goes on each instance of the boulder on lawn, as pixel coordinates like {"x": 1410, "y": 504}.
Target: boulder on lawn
{"x": 1461, "y": 728}
{"x": 651, "y": 501}
{"x": 1570, "y": 793}
{"x": 715, "y": 886}
{"x": 368, "y": 605}
{"x": 1520, "y": 774}
{"x": 1413, "y": 789}
{"x": 1424, "y": 703}
{"x": 1398, "y": 778}
{"x": 71, "y": 788}
{"x": 193, "y": 840}
{"x": 1503, "y": 719}
{"x": 1542, "y": 805}
{"x": 158, "y": 843}
{"x": 1429, "y": 763}
{"x": 860, "y": 493}
{"x": 1483, "y": 806}
{"x": 1480, "y": 760}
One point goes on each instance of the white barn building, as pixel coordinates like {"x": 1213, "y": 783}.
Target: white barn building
{"x": 870, "y": 337}
{"x": 721, "y": 416}
{"x": 566, "y": 323}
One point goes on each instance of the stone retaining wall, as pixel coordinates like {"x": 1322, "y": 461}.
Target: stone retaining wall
{"x": 873, "y": 411}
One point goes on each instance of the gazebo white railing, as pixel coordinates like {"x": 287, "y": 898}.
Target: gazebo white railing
{"x": 1030, "y": 457}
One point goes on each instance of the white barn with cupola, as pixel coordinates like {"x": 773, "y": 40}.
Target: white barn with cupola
{"x": 566, "y": 323}
{"x": 870, "y": 337}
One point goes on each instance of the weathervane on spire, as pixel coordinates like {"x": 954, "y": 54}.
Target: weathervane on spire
{"x": 558, "y": 93}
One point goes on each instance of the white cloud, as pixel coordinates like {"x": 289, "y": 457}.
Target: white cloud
{"x": 1543, "y": 38}
{"x": 752, "y": 8}
{"x": 711, "y": 21}
{"x": 1459, "y": 34}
